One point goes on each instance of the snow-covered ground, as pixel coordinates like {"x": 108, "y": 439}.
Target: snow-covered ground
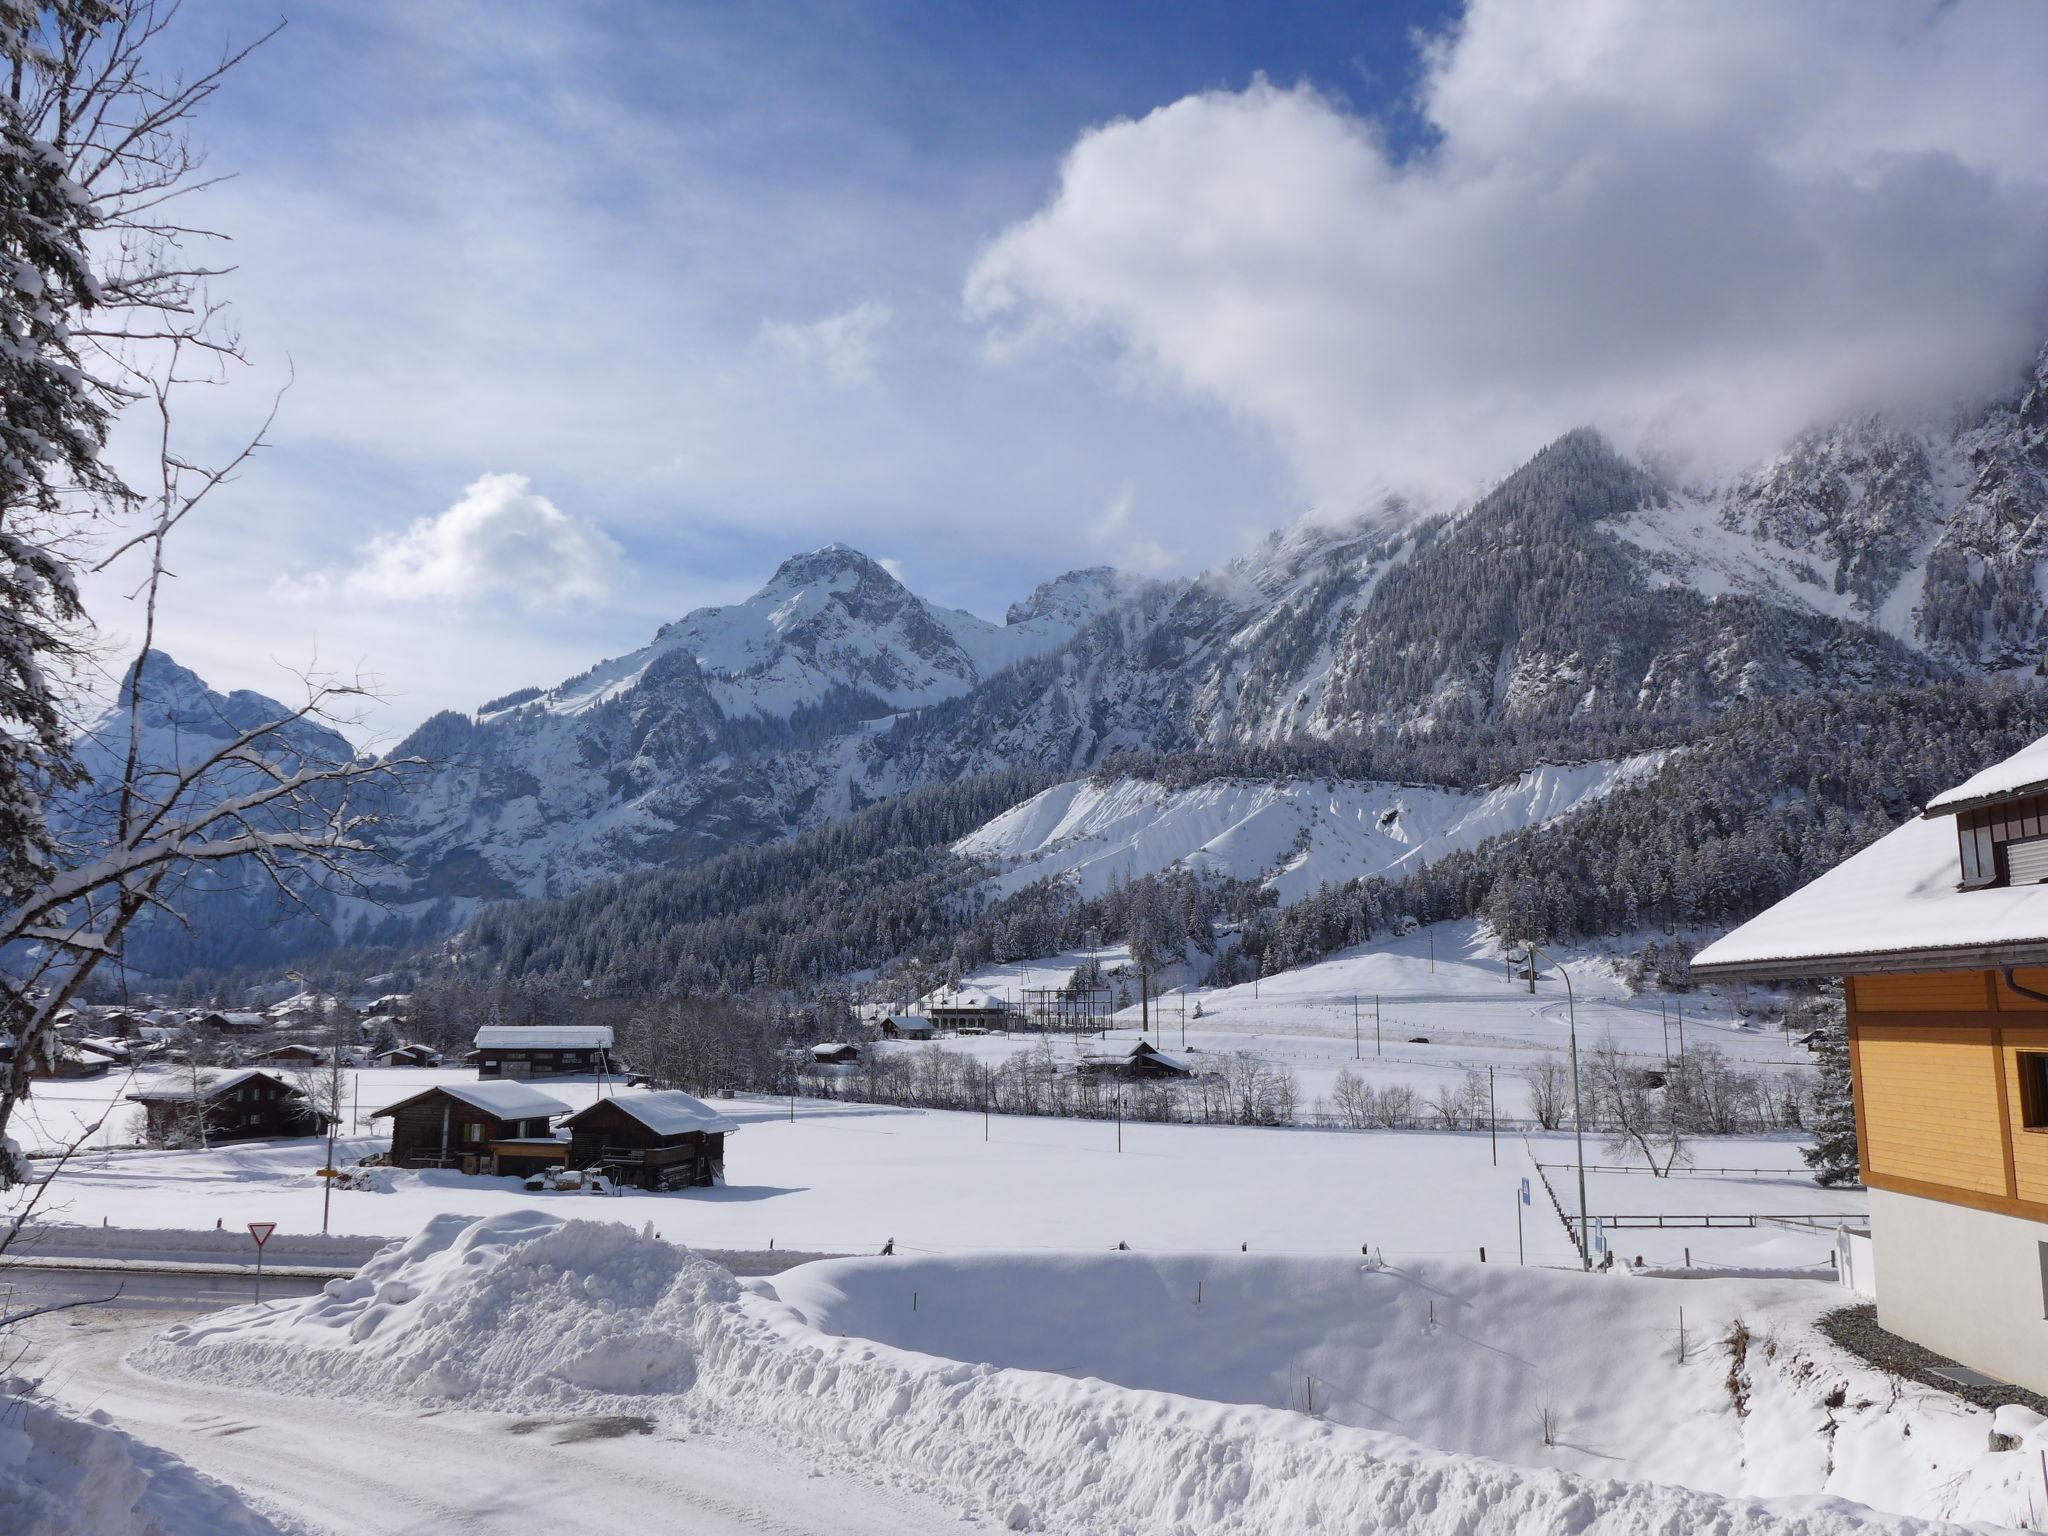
{"x": 843, "y": 1178}
{"x": 1115, "y": 1391}
{"x": 1297, "y": 834}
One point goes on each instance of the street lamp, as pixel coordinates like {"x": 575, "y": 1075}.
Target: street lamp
{"x": 1578, "y": 1116}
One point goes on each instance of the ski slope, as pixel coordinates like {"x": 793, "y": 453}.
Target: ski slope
{"x": 1296, "y": 834}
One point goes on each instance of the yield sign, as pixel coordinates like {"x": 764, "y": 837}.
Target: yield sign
{"x": 261, "y": 1230}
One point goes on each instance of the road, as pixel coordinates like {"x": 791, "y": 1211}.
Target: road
{"x": 319, "y": 1466}
{"x": 23, "y": 1286}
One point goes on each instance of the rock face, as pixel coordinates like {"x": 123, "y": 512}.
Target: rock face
{"x": 1582, "y": 587}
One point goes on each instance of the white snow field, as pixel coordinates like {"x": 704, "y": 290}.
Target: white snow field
{"x": 1296, "y": 834}
{"x": 1098, "y": 1393}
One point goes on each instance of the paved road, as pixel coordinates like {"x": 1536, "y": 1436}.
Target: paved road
{"x": 22, "y": 1287}
{"x": 319, "y": 1465}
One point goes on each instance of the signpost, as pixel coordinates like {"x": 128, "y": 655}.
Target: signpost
{"x": 260, "y": 1230}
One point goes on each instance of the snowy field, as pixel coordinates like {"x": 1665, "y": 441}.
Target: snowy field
{"x": 1444, "y": 1003}
{"x": 842, "y": 1178}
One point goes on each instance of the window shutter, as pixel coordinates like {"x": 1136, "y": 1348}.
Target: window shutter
{"x": 2026, "y": 862}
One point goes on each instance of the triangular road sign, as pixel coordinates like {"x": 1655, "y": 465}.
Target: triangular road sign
{"x": 261, "y": 1230}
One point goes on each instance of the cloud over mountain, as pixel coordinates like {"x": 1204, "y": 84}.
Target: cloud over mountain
{"x": 501, "y": 537}
{"x": 1700, "y": 226}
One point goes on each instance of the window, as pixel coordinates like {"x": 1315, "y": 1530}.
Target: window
{"x": 2034, "y": 1090}
{"x": 472, "y": 1131}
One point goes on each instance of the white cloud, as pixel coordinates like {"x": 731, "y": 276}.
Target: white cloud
{"x": 1699, "y": 224}
{"x": 1113, "y": 535}
{"x": 843, "y": 347}
{"x": 501, "y": 537}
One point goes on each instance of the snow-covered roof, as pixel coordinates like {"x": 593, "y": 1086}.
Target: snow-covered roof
{"x": 2022, "y": 773}
{"x": 506, "y": 1100}
{"x": 670, "y": 1112}
{"x": 1119, "y": 1051}
{"x": 1892, "y": 907}
{"x": 967, "y": 997}
{"x": 544, "y": 1037}
{"x": 210, "y": 1087}
{"x": 909, "y": 1023}
{"x": 833, "y": 1048}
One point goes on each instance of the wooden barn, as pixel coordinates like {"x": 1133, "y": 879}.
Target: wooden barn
{"x": 238, "y": 1106}
{"x": 1131, "y": 1061}
{"x": 906, "y": 1026}
{"x": 495, "y": 1128}
{"x": 543, "y": 1050}
{"x": 834, "y": 1053}
{"x": 291, "y": 1054}
{"x": 666, "y": 1140}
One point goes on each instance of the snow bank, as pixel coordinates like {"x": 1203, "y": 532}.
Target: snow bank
{"x": 522, "y": 1309}
{"x": 1298, "y": 834}
{"x": 67, "y": 1476}
{"x": 528, "y": 1309}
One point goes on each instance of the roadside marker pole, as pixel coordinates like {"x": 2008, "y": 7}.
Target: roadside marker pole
{"x": 1521, "y": 1252}
{"x": 1357, "y": 1050}
{"x": 1375, "y": 1023}
{"x": 1492, "y": 1118}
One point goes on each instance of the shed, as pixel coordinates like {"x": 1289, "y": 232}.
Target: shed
{"x": 835, "y": 1053}
{"x": 497, "y": 1128}
{"x": 543, "y": 1050}
{"x": 408, "y": 1056}
{"x": 907, "y": 1026}
{"x": 1137, "y": 1059}
{"x": 666, "y": 1140}
{"x": 237, "y": 1106}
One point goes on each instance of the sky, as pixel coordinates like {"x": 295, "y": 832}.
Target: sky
{"x": 592, "y": 315}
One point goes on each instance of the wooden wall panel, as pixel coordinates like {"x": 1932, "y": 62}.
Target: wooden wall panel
{"x": 1931, "y": 1107}
{"x": 1924, "y": 992}
{"x": 2010, "y": 1001}
{"x": 2029, "y": 1148}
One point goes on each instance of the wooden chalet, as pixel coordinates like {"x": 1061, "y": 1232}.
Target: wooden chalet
{"x": 907, "y": 1026}
{"x": 543, "y": 1050}
{"x": 408, "y": 1056}
{"x": 834, "y": 1053}
{"x": 1131, "y": 1062}
{"x": 290, "y": 1054}
{"x": 666, "y": 1140}
{"x": 232, "y": 1023}
{"x": 1940, "y": 933}
{"x": 494, "y": 1128}
{"x": 237, "y": 1106}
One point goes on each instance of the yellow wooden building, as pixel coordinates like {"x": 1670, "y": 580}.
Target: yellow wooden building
{"x": 1940, "y": 931}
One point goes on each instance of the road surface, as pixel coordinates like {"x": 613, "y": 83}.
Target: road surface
{"x": 319, "y": 1466}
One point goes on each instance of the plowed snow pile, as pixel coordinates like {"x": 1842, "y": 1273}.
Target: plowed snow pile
{"x": 66, "y": 1476}
{"x": 522, "y": 1310}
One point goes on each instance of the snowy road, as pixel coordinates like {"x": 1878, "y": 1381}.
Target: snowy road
{"x": 322, "y": 1466}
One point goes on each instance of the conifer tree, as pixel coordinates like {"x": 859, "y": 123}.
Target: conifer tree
{"x": 1832, "y": 1157}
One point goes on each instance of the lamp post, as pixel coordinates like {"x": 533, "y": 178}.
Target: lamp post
{"x": 1578, "y": 1116}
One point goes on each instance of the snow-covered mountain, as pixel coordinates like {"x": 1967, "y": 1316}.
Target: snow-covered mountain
{"x": 733, "y": 725}
{"x": 1294, "y": 834}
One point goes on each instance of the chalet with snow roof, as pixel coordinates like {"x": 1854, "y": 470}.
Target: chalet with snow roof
{"x": 1131, "y": 1062}
{"x": 234, "y": 1106}
{"x": 543, "y": 1050}
{"x": 291, "y": 1054}
{"x": 666, "y": 1140}
{"x": 408, "y": 1056}
{"x": 971, "y": 1011}
{"x": 834, "y": 1053}
{"x": 1940, "y": 931}
{"x": 494, "y": 1128}
{"x": 906, "y": 1026}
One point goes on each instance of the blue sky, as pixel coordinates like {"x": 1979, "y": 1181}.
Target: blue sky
{"x": 596, "y": 313}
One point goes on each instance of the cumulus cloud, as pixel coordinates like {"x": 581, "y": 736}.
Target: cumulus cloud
{"x": 1699, "y": 226}
{"x": 501, "y": 537}
{"x": 843, "y": 347}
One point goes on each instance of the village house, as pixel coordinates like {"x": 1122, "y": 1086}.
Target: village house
{"x": 408, "y": 1056}
{"x": 665, "y": 1140}
{"x": 237, "y": 1106}
{"x": 834, "y": 1053}
{"x": 1940, "y": 932}
{"x": 290, "y": 1054}
{"x": 232, "y": 1023}
{"x": 906, "y": 1026}
{"x": 1130, "y": 1062}
{"x": 495, "y": 1128}
{"x": 970, "y": 1011}
{"x": 543, "y": 1050}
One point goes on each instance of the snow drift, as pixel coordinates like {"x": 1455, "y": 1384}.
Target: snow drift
{"x": 1296, "y": 834}
{"x": 526, "y": 1309}
{"x": 66, "y": 1476}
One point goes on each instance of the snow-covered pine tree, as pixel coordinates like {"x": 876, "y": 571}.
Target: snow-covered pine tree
{"x": 1832, "y": 1157}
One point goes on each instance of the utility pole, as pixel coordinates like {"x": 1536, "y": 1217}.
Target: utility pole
{"x": 1664, "y": 1018}
{"x": 1432, "y": 951}
{"x": 1578, "y": 1113}
{"x": 1118, "y": 1101}
{"x": 1492, "y": 1117}
{"x": 1183, "y": 1016}
{"x": 1375, "y": 1023}
{"x": 1357, "y": 1050}
{"x": 1144, "y": 1002}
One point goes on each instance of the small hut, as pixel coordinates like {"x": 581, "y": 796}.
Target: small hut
{"x": 834, "y": 1053}
{"x": 906, "y": 1026}
{"x": 666, "y": 1140}
{"x": 543, "y": 1050}
{"x": 495, "y": 1128}
{"x": 408, "y": 1056}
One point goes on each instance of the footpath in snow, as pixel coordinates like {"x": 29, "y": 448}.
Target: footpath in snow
{"x": 1156, "y": 1395}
